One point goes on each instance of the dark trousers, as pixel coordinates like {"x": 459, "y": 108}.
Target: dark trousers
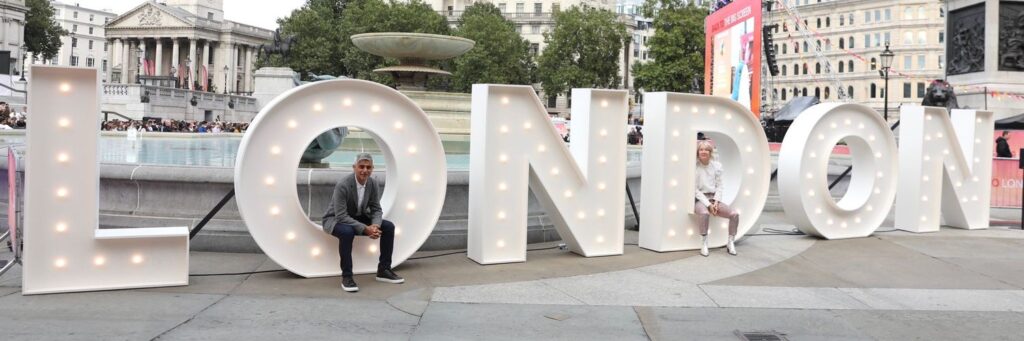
{"x": 347, "y": 233}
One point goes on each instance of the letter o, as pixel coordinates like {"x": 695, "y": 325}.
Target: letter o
{"x": 803, "y": 171}
{"x": 265, "y": 177}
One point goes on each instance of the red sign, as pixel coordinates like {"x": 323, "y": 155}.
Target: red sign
{"x": 732, "y": 66}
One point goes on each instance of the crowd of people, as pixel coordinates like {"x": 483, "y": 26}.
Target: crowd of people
{"x": 10, "y": 119}
{"x": 175, "y": 126}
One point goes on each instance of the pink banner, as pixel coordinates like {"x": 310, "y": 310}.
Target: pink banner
{"x": 1006, "y": 183}
{"x": 12, "y": 200}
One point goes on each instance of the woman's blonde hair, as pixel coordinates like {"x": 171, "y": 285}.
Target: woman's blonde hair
{"x": 705, "y": 144}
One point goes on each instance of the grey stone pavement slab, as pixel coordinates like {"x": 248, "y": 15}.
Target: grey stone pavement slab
{"x": 455, "y": 321}
{"x": 949, "y": 285}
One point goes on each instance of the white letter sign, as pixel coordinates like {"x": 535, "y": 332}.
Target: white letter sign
{"x": 514, "y": 147}
{"x": 64, "y": 250}
{"x": 669, "y": 163}
{"x": 944, "y": 161}
{"x": 265, "y": 181}
{"x": 803, "y": 171}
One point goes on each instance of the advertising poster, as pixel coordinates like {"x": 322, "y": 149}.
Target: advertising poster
{"x": 1007, "y": 182}
{"x": 732, "y": 63}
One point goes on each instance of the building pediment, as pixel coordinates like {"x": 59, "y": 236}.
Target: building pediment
{"x": 151, "y": 14}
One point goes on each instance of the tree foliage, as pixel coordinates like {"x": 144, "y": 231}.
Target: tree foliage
{"x": 677, "y": 47}
{"x": 324, "y": 28}
{"x": 582, "y": 51}
{"x": 501, "y": 55}
{"x": 42, "y": 33}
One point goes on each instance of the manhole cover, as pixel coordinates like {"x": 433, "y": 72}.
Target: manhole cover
{"x": 762, "y": 336}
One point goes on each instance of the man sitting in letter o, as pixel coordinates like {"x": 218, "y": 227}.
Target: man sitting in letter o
{"x": 355, "y": 210}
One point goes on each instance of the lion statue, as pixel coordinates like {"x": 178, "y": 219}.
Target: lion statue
{"x": 940, "y": 94}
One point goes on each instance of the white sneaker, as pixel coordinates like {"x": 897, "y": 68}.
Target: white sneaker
{"x": 731, "y": 246}
{"x": 704, "y": 246}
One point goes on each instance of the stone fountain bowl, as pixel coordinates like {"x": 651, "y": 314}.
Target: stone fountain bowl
{"x": 412, "y": 46}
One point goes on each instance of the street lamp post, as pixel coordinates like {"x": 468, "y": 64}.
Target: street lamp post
{"x": 24, "y": 51}
{"x": 226, "y": 69}
{"x": 887, "y": 57}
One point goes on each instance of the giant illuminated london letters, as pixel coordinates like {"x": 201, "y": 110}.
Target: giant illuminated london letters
{"x": 514, "y": 148}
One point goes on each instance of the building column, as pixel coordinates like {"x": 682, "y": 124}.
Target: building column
{"x": 160, "y": 57}
{"x": 191, "y": 62}
{"x": 206, "y": 62}
{"x": 248, "y": 69}
{"x": 233, "y": 67}
{"x": 175, "y": 59}
{"x": 124, "y": 61}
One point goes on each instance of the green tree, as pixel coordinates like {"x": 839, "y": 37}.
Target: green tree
{"x": 582, "y": 51}
{"x": 501, "y": 55}
{"x": 677, "y": 48}
{"x": 42, "y": 33}
{"x": 317, "y": 25}
{"x": 324, "y": 28}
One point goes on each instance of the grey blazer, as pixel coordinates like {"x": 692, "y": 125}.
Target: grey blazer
{"x": 344, "y": 208}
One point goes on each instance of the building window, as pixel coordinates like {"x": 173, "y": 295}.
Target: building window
{"x": 874, "y": 65}
{"x": 805, "y": 47}
{"x": 520, "y": 7}
{"x": 90, "y": 30}
{"x": 888, "y": 14}
{"x": 849, "y": 92}
{"x": 922, "y": 37}
{"x": 849, "y": 66}
{"x": 878, "y": 39}
{"x": 888, "y": 37}
{"x": 942, "y": 36}
{"x": 784, "y": 69}
{"x": 90, "y": 62}
{"x": 878, "y": 15}
{"x": 535, "y": 29}
{"x": 555, "y": 7}
{"x": 501, "y": 7}
{"x": 908, "y": 13}
{"x": 105, "y": 46}
{"x": 90, "y": 44}
{"x": 74, "y": 42}
{"x": 851, "y": 18}
{"x": 104, "y": 65}
{"x": 784, "y": 48}
{"x": 817, "y": 92}
{"x": 74, "y": 60}
{"x": 874, "y": 90}
{"x": 920, "y": 62}
{"x": 519, "y": 29}
{"x": 852, "y": 43}
{"x": 538, "y": 8}
{"x": 942, "y": 62}
{"x": 842, "y": 43}
{"x": 817, "y": 68}
{"x": 920, "y": 12}
{"x": 920, "y": 90}
{"x": 828, "y": 21}
{"x": 908, "y": 38}
{"x": 842, "y": 20}
{"x": 803, "y": 92}
{"x": 907, "y": 90}
{"x": 805, "y": 68}
{"x": 867, "y": 17}
{"x": 842, "y": 66}
{"x": 534, "y": 49}
{"x": 74, "y": 28}
{"x": 75, "y": 15}
{"x": 907, "y": 64}
{"x": 819, "y": 22}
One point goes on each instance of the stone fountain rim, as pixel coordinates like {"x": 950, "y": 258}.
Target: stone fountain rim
{"x": 428, "y": 36}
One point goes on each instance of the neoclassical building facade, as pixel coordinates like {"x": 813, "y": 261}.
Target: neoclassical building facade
{"x": 185, "y": 44}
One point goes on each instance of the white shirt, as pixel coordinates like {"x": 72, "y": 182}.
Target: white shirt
{"x": 708, "y": 179}
{"x": 360, "y": 189}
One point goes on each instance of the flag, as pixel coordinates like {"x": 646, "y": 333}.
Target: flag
{"x": 206, "y": 78}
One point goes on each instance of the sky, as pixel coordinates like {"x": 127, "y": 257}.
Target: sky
{"x": 260, "y": 13}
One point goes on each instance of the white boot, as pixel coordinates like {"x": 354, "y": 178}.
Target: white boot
{"x": 731, "y": 247}
{"x": 704, "y": 246}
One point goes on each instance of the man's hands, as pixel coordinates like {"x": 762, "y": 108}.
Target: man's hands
{"x": 713, "y": 208}
{"x": 372, "y": 231}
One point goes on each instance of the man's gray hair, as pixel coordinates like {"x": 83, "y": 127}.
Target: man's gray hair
{"x": 363, "y": 156}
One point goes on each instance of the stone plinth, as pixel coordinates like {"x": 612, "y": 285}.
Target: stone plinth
{"x": 984, "y": 39}
{"x": 271, "y": 82}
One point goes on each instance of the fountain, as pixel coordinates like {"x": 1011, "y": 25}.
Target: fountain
{"x": 412, "y": 50}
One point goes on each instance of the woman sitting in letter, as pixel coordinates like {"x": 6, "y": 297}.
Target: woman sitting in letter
{"x": 708, "y": 199}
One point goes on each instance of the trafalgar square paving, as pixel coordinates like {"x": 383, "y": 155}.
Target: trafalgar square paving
{"x": 949, "y": 285}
